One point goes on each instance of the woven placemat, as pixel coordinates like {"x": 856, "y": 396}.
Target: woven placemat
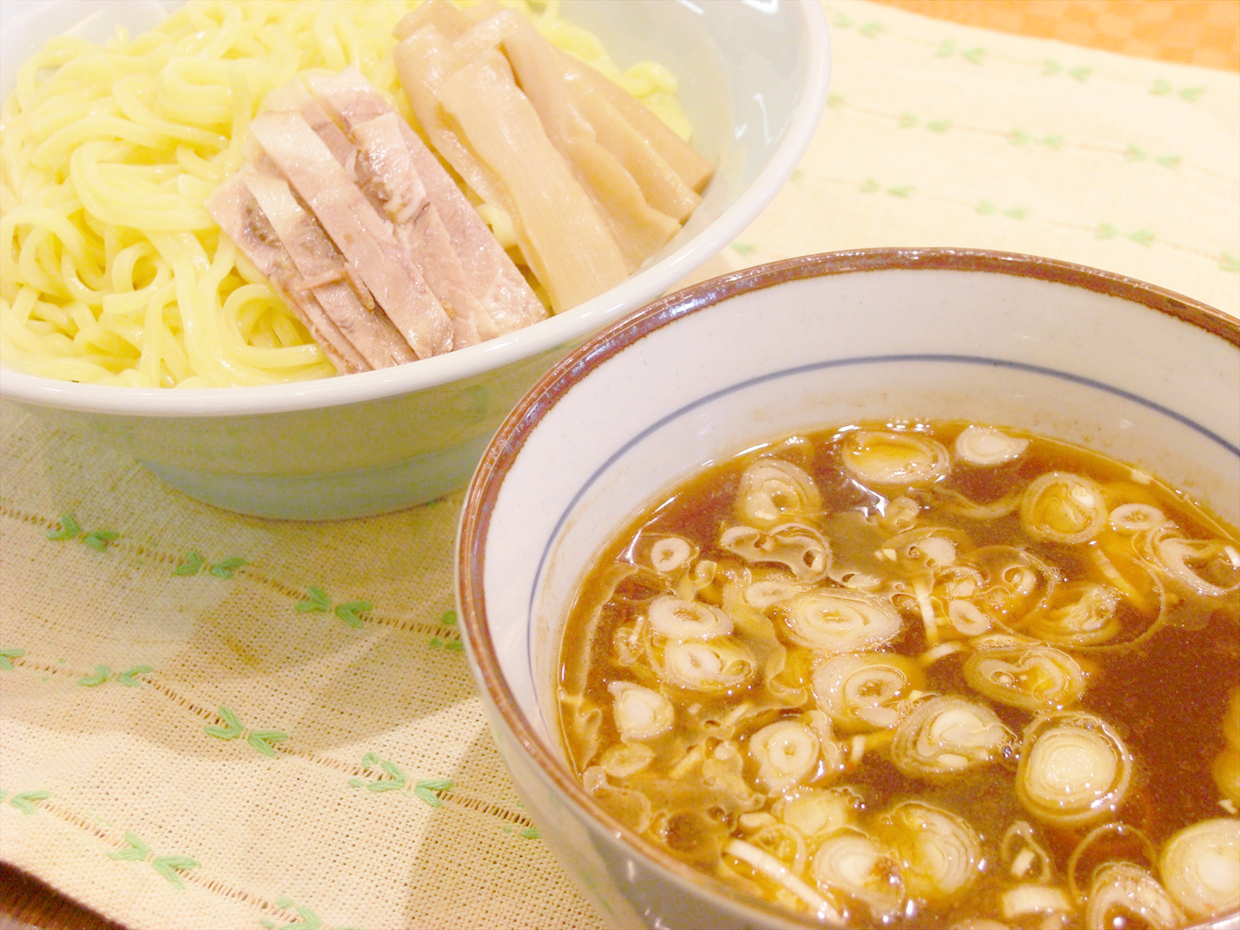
{"x": 209, "y": 720}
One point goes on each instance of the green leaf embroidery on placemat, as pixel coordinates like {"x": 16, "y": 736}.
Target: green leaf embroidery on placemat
{"x": 191, "y": 566}
{"x": 167, "y": 866}
{"x": 396, "y": 780}
{"x": 317, "y": 601}
{"x": 1051, "y": 68}
{"x": 986, "y": 208}
{"x": 71, "y": 529}
{"x": 525, "y": 833}
{"x": 102, "y": 673}
{"x": 909, "y": 121}
{"x": 949, "y": 49}
{"x": 24, "y": 800}
{"x": 193, "y": 563}
{"x": 427, "y": 790}
{"x": 232, "y": 728}
{"x": 348, "y": 611}
{"x": 307, "y": 919}
{"x": 451, "y": 643}
{"x": 129, "y": 678}
{"x": 99, "y": 539}
{"x": 1164, "y": 88}
{"x": 871, "y": 186}
{"x": 1228, "y": 262}
{"x": 870, "y": 29}
{"x": 1021, "y": 137}
{"x": 100, "y": 676}
{"x": 1109, "y": 231}
{"x": 743, "y": 248}
{"x": 1136, "y": 153}
{"x": 7, "y": 656}
{"x": 136, "y": 852}
{"x": 260, "y": 740}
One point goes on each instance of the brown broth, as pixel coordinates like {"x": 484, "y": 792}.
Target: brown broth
{"x": 1161, "y": 681}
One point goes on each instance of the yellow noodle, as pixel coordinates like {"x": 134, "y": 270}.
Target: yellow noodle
{"x": 248, "y": 311}
{"x": 72, "y": 272}
{"x": 111, "y": 269}
{"x": 43, "y": 224}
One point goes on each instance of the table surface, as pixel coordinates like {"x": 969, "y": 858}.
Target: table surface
{"x": 1198, "y": 32}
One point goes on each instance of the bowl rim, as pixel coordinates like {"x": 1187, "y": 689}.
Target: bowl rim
{"x": 566, "y": 328}
{"x": 501, "y": 452}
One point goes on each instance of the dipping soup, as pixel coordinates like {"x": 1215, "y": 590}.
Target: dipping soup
{"x": 922, "y": 674}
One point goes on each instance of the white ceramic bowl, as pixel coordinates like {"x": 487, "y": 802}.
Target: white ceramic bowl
{"x": 1127, "y": 368}
{"x": 753, "y": 79}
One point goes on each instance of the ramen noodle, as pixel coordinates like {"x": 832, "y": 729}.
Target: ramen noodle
{"x": 922, "y": 675}
{"x": 112, "y": 270}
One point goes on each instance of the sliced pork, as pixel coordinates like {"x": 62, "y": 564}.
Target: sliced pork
{"x": 324, "y": 273}
{"x": 374, "y": 257}
{"x": 506, "y": 298}
{"x": 244, "y": 222}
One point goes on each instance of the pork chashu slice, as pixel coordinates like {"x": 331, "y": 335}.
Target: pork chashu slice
{"x": 375, "y": 258}
{"x": 233, "y": 206}
{"x": 382, "y": 170}
{"x": 324, "y": 272}
{"x": 393, "y": 152}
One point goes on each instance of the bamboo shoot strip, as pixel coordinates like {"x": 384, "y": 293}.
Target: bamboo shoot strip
{"x": 322, "y": 270}
{"x": 243, "y": 221}
{"x": 494, "y": 25}
{"x": 424, "y": 59}
{"x": 505, "y": 297}
{"x": 688, "y": 164}
{"x": 489, "y": 32}
{"x": 561, "y": 235}
{"x": 639, "y": 229}
{"x": 367, "y": 242}
{"x": 663, "y": 187}
{"x": 444, "y": 15}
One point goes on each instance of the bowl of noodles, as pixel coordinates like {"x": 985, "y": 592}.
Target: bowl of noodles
{"x": 893, "y": 588}
{"x": 206, "y": 266}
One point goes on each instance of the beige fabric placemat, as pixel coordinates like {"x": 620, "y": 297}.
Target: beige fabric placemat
{"x": 209, "y": 720}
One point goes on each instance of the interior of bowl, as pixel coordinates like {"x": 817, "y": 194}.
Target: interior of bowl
{"x": 753, "y": 80}
{"x": 1132, "y": 371}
